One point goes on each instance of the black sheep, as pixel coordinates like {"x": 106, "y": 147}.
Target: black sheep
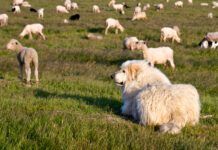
{"x": 74, "y": 17}
{"x": 33, "y": 10}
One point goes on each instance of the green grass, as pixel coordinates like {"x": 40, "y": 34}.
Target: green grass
{"x": 76, "y": 105}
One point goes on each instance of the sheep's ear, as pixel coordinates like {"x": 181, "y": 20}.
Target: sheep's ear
{"x": 133, "y": 71}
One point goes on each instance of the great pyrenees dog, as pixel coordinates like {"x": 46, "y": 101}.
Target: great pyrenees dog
{"x": 150, "y": 98}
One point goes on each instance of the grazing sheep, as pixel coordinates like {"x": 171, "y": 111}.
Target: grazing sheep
{"x": 210, "y": 15}
{"x": 170, "y": 33}
{"x": 74, "y": 6}
{"x": 113, "y": 23}
{"x": 96, "y": 9}
{"x": 159, "y": 7}
{"x": 92, "y": 36}
{"x": 16, "y": 9}
{"x": 178, "y": 4}
{"x": 190, "y": 1}
{"x": 150, "y": 98}
{"x": 61, "y": 9}
{"x": 119, "y": 7}
{"x": 139, "y": 16}
{"x": 146, "y": 7}
{"x": 129, "y": 43}
{"x": 32, "y": 29}
{"x": 67, "y": 4}
{"x": 215, "y": 4}
{"x": 40, "y": 13}
{"x": 111, "y": 3}
{"x": 158, "y": 55}
{"x": 3, "y": 20}
{"x": 74, "y": 17}
{"x": 26, "y": 4}
{"x": 204, "y": 4}
{"x": 17, "y": 2}
{"x": 25, "y": 57}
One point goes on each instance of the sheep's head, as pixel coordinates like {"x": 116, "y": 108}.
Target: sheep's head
{"x": 140, "y": 45}
{"x": 120, "y": 27}
{"x": 178, "y": 39}
{"x": 13, "y": 45}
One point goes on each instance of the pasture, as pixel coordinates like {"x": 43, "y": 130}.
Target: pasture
{"x": 76, "y": 105}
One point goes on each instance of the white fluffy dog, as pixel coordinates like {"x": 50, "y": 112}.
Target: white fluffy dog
{"x": 150, "y": 98}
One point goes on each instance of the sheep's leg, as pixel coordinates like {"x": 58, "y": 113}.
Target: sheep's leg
{"x": 173, "y": 40}
{"x": 28, "y": 72}
{"x": 164, "y": 39}
{"x": 30, "y": 36}
{"x": 170, "y": 128}
{"x": 116, "y": 31}
{"x": 106, "y": 30}
{"x": 42, "y": 35}
{"x": 35, "y": 62}
{"x": 21, "y": 71}
{"x": 172, "y": 63}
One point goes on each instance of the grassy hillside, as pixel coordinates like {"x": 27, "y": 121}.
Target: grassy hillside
{"x": 76, "y": 105}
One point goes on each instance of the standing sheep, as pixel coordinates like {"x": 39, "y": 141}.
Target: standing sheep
{"x": 138, "y": 8}
{"x": 16, "y": 9}
{"x": 67, "y": 4}
{"x": 113, "y": 23}
{"x": 159, "y": 7}
{"x": 3, "y": 20}
{"x": 74, "y": 6}
{"x": 119, "y": 7}
{"x": 179, "y": 4}
{"x": 170, "y": 33}
{"x": 111, "y": 3}
{"x": 40, "y": 13}
{"x": 129, "y": 43}
{"x": 158, "y": 55}
{"x": 25, "y": 57}
{"x": 61, "y": 9}
{"x": 32, "y": 29}
{"x": 96, "y": 9}
{"x": 139, "y": 16}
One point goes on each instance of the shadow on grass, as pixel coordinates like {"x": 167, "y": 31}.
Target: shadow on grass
{"x": 102, "y": 102}
{"x": 96, "y": 30}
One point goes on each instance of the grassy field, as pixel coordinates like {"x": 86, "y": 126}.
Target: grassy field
{"x": 76, "y": 105}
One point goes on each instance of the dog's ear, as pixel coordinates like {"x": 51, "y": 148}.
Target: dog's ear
{"x": 133, "y": 71}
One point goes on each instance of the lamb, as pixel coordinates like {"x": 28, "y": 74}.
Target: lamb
{"x": 129, "y": 43}
{"x": 111, "y": 3}
{"x": 32, "y": 29}
{"x": 92, "y": 36}
{"x": 96, "y": 9}
{"x": 16, "y": 9}
{"x": 113, "y": 23}
{"x": 170, "y": 33}
{"x": 40, "y": 13}
{"x": 119, "y": 7}
{"x": 215, "y": 4}
{"x": 3, "y": 20}
{"x": 67, "y": 4}
{"x": 159, "y": 7}
{"x": 178, "y": 4}
{"x": 25, "y": 57}
{"x": 147, "y": 6}
{"x": 61, "y": 9}
{"x": 158, "y": 55}
{"x": 74, "y": 6}
{"x": 210, "y": 15}
{"x": 139, "y": 16}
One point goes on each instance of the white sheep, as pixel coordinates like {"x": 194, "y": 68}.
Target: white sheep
{"x": 210, "y": 15}
{"x": 167, "y": 1}
{"x": 66, "y": 21}
{"x": 204, "y": 4}
{"x": 61, "y": 9}
{"x": 74, "y": 6}
{"x": 25, "y": 57}
{"x": 3, "y": 20}
{"x": 138, "y": 8}
{"x": 170, "y": 33}
{"x": 146, "y": 7}
{"x": 159, "y": 7}
{"x": 16, "y": 9}
{"x": 129, "y": 43}
{"x": 190, "y": 1}
{"x": 215, "y": 4}
{"x": 32, "y": 29}
{"x": 67, "y": 4}
{"x": 92, "y": 36}
{"x": 17, "y": 2}
{"x": 113, "y": 23}
{"x": 178, "y": 4}
{"x": 111, "y": 3}
{"x": 40, "y": 13}
{"x": 26, "y": 4}
{"x": 119, "y": 7}
{"x": 139, "y": 16}
{"x": 158, "y": 55}
{"x": 96, "y": 9}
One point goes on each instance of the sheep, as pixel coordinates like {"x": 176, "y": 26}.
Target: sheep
{"x": 25, "y": 4}
{"x": 25, "y": 57}
{"x": 33, "y": 9}
{"x": 61, "y": 9}
{"x": 204, "y": 4}
{"x": 74, "y": 6}
{"x": 119, "y": 7}
{"x": 170, "y": 33}
{"x": 158, "y": 55}
{"x": 167, "y": 1}
{"x": 139, "y": 16}
{"x": 66, "y": 21}
{"x": 3, "y": 20}
{"x": 92, "y": 36}
{"x": 147, "y": 6}
{"x": 16, "y": 9}
{"x": 129, "y": 43}
{"x": 17, "y": 2}
{"x": 111, "y": 3}
{"x": 215, "y": 4}
{"x": 178, "y": 4}
{"x": 96, "y": 9}
{"x": 40, "y": 13}
{"x": 74, "y": 17}
{"x": 212, "y": 36}
{"x": 159, "y": 7}
{"x": 210, "y": 15}
{"x": 32, "y": 29}
{"x": 190, "y": 1}
{"x": 113, "y": 23}
{"x": 67, "y": 4}
{"x": 138, "y": 8}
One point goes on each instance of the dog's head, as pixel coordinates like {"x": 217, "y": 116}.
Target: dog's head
{"x": 129, "y": 72}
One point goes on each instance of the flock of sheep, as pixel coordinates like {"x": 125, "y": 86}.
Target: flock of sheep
{"x": 175, "y": 119}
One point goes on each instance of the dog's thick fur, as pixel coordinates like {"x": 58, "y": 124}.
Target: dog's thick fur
{"x": 150, "y": 98}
